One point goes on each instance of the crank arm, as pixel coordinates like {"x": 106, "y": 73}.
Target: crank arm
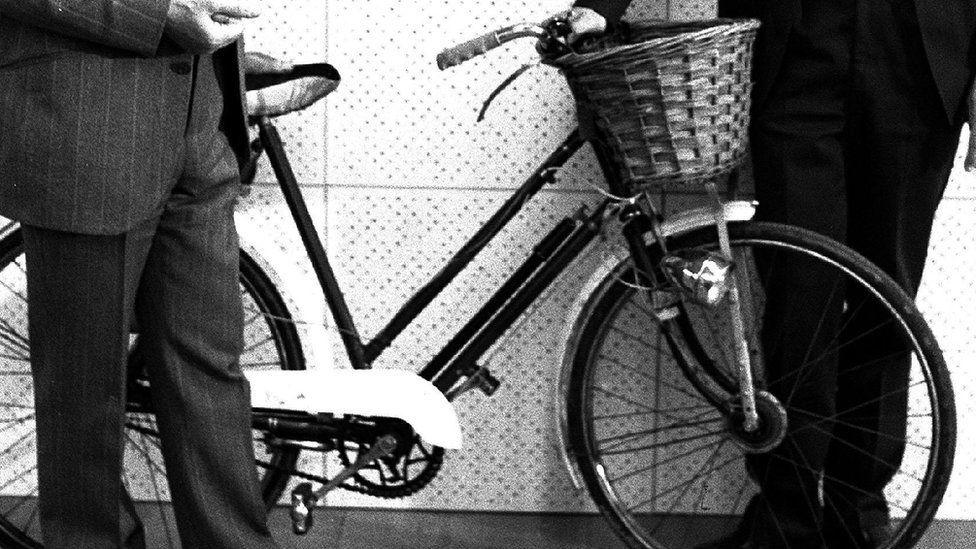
{"x": 303, "y": 499}
{"x": 383, "y": 447}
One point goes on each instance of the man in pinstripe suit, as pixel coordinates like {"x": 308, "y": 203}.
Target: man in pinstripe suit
{"x": 122, "y": 131}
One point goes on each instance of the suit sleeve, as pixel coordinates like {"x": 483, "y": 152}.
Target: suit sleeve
{"x": 134, "y": 25}
{"x": 611, "y": 10}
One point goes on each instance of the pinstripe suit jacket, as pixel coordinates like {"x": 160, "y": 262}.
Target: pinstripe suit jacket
{"x": 93, "y": 108}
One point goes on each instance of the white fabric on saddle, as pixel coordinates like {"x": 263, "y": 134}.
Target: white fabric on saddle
{"x": 385, "y": 393}
{"x": 288, "y": 97}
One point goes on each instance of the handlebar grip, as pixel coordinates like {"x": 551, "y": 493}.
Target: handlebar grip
{"x": 468, "y": 50}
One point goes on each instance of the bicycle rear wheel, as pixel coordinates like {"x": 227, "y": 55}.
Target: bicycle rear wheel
{"x": 271, "y": 342}
{"x": 664, "y": 463}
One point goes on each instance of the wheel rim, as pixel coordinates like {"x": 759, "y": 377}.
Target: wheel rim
{"x": 664, "y": 464}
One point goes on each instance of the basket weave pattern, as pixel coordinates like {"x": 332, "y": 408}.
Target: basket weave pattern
{"x": 671, "y": 100}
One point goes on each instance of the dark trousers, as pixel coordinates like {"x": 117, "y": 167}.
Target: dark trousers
{"x": 852, "y": 143}
{"x": 176, "y": 277}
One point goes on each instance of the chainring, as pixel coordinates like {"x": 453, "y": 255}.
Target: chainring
{"x": 399, "y": 475}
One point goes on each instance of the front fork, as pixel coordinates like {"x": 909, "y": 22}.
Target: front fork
{"x": 640, "y": 217}
{"x": 747, "y": 391}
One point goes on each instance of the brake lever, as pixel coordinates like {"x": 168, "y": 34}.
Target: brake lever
{"x": 557, "y": 29}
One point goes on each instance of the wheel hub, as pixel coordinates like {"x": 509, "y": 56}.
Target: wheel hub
{"x": 772, "y": 425}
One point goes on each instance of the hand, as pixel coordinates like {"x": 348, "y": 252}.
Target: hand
{"x": 205, "y": 26}
{"x": 585, "y": 21}
{"x": 971, "y": 154}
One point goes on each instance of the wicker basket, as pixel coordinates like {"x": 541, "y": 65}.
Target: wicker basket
{"x": 671, "y": 100}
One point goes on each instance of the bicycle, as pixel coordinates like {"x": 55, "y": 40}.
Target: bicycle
{"x": 663, "y": 373}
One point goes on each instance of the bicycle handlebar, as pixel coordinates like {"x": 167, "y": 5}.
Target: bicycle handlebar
{"x": 478, "y": 46}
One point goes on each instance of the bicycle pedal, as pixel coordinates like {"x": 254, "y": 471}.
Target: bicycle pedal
{"x": 479, "y": 379}
{"x": 302, "y": 504}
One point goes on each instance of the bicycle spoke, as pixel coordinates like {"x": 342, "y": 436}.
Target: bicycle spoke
{"x": 657, "y": 380}
{"x": 34, "y": 519}
{"x": 261, "y": 364}
{"x": 633, "y": 402}
{"x": 686, "y": 484}
{"x": 665, "y": 443}
{"x": 834, "y": 416}
{"x": 18, "y": 477}
{"x": 850, "y": 319}
{"x": 13, "y": 291}
{"x": 9, "y": 424}
{"x": 255, "y": 315}
{"x": 842, "y": 483}
{"x": 859, "y": 367}
{"x": 657, "y": 464}
{"x": 151, "y": 464}
{"x": 803, "y": 486}
{"x": 813, "y": 338}
{"x": 867, "y": 454}
{"x": 153, "y": 469}
{"x": 641, "y": 341}
{"x": 16, "y": 335}
{"x": 692, "y": 421}
{"x": 24, "y": 437}
{"x": 874, "y": 432}
{"x": 623, "y": 415}
{"x": 711, "y": 459}
{"x": 14, "y": 340}
{"x": 806, "y": 366}
{"x": 257, "y": 344}
{"x": 623, "y": 439}
{"x": 828, "y": 497}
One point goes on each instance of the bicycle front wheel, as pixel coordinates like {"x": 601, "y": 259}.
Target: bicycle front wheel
{"x": 271, "y": 342}
{"x": 653, "y": 409}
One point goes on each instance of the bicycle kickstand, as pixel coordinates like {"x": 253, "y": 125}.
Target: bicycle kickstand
{"x": 303, "y": 499}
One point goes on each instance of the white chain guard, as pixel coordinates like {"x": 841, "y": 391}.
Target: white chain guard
{"x": 384, "y": 393}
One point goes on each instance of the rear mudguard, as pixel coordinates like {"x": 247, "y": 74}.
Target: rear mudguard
{"x": 580, "y": 309}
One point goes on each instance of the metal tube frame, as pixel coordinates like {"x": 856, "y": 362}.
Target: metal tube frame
{"x": 556, "y": 250}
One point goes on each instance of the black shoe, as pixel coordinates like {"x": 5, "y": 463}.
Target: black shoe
{"x": 849, "y": 528}
{"x": 867, "y": 538}
{"x": 755, "y": 531}
{"x": 878, "y": 535}
{"x": 739, "y": 539}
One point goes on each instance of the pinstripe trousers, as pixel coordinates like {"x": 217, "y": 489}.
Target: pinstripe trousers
{"x": 175, "y": 274}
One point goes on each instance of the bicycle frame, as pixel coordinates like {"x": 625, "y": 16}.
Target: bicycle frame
{"x": 549, "y": 258}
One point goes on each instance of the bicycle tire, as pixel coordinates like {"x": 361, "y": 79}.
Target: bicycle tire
{"x": 643, "y": 492}
{"x": 271, "y": 341}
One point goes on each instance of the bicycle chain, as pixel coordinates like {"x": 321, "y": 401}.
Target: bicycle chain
{"x": 432, "y": 465}
{"x": 365, "y": 486}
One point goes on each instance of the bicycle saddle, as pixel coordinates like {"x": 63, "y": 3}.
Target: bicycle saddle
{"x": 274, "y": 91}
